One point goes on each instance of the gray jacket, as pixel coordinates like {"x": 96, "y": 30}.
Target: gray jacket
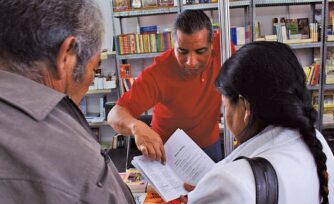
{"x": 47, "y": 152}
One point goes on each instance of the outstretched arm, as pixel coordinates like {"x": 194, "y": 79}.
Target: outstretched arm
{"x": 147, "y": 140}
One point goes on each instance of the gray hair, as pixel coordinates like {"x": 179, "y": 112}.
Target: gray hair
{"x": 32, "y": 32}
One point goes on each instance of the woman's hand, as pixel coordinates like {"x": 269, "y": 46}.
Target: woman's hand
{"x": 189, "y": 188}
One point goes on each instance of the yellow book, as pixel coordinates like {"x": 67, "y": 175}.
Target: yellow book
{"x": 307, "y": 71}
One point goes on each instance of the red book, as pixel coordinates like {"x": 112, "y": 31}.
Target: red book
{"x": 315, "y": 77}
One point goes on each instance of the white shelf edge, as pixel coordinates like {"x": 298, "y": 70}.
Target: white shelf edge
{"x": 140, "y": 56}
{"x": 98, "y": 91}
{"x": 104, "y": 123}
{"x": 275, "y": 2}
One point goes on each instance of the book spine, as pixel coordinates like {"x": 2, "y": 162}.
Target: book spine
{"x": 234, "y": 35}
{"x": 102, "y": 107}
{"x": 241, "y": 37}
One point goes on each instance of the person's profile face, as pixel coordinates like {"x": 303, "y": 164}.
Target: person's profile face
{"x": 234, "y": 116}
{"x": 192, "y": 51}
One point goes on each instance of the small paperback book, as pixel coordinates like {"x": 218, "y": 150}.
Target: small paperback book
{"x": 185, "y": 162}
{"x": 135, "y": 181}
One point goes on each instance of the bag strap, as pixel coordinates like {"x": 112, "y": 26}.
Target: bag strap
{"x": 266, "y": 183}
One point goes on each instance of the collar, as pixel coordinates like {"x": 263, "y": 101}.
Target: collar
{"x": 31, "y": 97}
{"x": 267, "y": 140}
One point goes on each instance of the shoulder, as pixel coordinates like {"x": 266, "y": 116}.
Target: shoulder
{"x": 164, "y": 61}
{"x": 226, "y": 184}
{"x": 15, "y": 85}
{"x": 13, "y": 190}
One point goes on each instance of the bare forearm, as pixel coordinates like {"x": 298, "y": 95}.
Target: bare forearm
{"x": 121, "y": 120}
{"x": 147, "y": 140}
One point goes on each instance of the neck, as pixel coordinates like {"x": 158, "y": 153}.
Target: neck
{"x": 250, "y": 131}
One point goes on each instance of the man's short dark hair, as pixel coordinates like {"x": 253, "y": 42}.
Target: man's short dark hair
{"x": 191, "y": 21}
{"x": 32, "y": 31}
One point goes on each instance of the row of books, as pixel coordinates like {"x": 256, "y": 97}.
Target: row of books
{"x": 312, "y": 74}
{"x": 127, "y": 83}
{"x": 329, "y": 73}
{"x": 187, "y": 2}
{"x": 143, "y": 43}
{"x": 126, "y": 5}
{"x": 290, "y": 31}
{"x": 328, "y": 115}
{"x": 240, "y": 35}
{"x": 126, "y": 76}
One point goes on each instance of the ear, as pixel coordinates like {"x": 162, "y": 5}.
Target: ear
{"x": 65, "y": 56}
{"x": 247, "y": 111}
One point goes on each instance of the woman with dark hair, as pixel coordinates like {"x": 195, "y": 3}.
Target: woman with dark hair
{"x": 269, "y": 111}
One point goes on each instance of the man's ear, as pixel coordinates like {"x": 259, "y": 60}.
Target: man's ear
{"x": 247, "y": 111}
{"x": 65, "y": 56}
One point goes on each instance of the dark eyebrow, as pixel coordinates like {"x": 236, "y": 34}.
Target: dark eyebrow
{"x": 182, "y": 49}
{"x": 197, "y": 50}
{"x": 201, "y": 49}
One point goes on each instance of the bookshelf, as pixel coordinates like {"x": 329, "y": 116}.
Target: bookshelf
{"x": 243, "y": 13}
{"x": 308, "y": 53}
{"x": 321, "y": 50}
{"x": 102, "y": 91}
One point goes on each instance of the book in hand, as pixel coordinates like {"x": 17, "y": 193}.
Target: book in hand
{"x": 186, "y": 162}
{"x": 134, "y": 180}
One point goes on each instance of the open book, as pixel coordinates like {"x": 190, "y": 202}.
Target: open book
{"x": 186, "y": 162}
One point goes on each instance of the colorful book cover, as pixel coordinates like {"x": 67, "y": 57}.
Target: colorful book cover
{"x": 121, "y": 5}
{"x": 303, "y": 27}
{"x": 149, "y": 3}
{"x": 135, "y": 181}
{"x": 166, "y": 2}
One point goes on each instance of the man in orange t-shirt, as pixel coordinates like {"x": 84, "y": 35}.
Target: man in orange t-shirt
{"x": 179, "y": 85}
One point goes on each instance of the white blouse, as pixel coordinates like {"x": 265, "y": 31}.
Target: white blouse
{"x": 232, "y": 182}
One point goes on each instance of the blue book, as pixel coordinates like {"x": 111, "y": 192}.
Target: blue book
{"x": 234, "y": 35}
{"x": 148, "y": 29}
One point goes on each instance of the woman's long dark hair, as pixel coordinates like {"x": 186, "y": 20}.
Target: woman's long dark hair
{"x": 269, "y": 76}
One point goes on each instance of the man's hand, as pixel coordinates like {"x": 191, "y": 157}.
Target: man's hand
{"x": 148, "y": 142}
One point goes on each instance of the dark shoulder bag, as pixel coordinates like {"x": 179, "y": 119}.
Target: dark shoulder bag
{"x": 266, "y": 184}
